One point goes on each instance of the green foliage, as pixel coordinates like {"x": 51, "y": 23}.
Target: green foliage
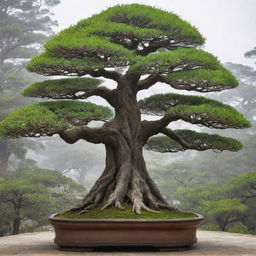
{"x": 195, "y": 140}
{"x": 74, "y": 45}
{"x": 224, "y": 207}
{"x": 65, "y": 87}
{"x": 202, "y": 80}
{"x": 48, "y": 118}
{"x": 166, "y": 62}
{"x": 239, "y": 228}
{"x": 213, "y": 117}
{"x": 243, "y": 185}
{"x": 47, "y": 65}
{"x": 158, "y": 104}
{"x": 34, "y": 194}
{"x": 127, "y": 213}
{"x": 211, "y": 227}
{"x": 23, "y": 26}
{"x": 139, "y": 15}
{"x": 227, "y": 206}
{"x": 195, "y": 109}
{"x": 105, "y": 34}
{"x": 31, "y": 121}
{"x": 76, "y": 112}
{"x": 112, "y": 38}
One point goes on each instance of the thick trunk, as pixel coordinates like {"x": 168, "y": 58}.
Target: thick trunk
{"x": 4, "y": 156}
{"x": 125, "y": 178}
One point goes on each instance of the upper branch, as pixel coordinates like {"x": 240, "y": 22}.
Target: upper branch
{"x": 107, "y": 74}
{"x": 70, "y": 88}
{"x": 48, "y": 65}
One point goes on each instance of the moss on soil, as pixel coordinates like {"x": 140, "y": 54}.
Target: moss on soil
{"x": 113, "y": 213}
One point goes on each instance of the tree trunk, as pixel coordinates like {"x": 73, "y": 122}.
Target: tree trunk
{"x": 125, "y": 178}
{"x": 16, "y": 226}
{"x": 4, "y": 156}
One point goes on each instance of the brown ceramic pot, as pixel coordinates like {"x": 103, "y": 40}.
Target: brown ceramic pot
{"x": 160, "y": 233}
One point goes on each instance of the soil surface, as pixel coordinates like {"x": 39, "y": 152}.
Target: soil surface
{"x": 209, "y": 243}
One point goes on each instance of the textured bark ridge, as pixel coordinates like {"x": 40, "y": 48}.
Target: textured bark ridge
{"x": 125, "y": 178}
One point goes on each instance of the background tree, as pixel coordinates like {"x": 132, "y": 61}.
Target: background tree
{"x": 24, "y": 27}
{"x": 157, "y": 46}
{"x": 251, "y": 53}
{"x": 32, "y": 195}
{"x": 230, "y": 207}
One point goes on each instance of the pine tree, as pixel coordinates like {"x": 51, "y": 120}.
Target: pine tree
{"x": 155, "y": 46}
{"x": 24, "y": 26}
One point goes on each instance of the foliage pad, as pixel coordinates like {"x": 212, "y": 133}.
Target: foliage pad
{"x": 195, "y": 140}
{"x": 61, "y": 88}
{"x": 194, "y": 109}
{"x": 48, "y": 118}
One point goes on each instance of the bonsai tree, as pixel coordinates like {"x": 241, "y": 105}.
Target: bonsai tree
{"x": 136, "y": 46}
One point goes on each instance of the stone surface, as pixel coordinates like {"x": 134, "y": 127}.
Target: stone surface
{"x": 209, "y": 243}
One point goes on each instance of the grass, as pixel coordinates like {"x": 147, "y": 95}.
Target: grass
{"x": 127, "y": 213}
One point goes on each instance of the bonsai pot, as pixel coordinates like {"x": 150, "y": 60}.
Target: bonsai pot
{"x": 159, "y": 233}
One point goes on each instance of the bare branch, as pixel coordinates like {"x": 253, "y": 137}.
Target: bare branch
{"x": 103, "y": 92}
{"x": 174, "y": 136}
{"x": 151, "y": 128}
{"x": 107, "y": 74}
{"x": 149, "y": 81}
{"x": 103, "y": 135}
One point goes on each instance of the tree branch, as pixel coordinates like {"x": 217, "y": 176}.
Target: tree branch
{"x": 174, "y": 136}
{"x": 151, "y": 128}
{"x": 148, "y": 82}
{"x": 103, "y": 135}
{"x": 103, "y": 92}
{"x": 107, "y": 74}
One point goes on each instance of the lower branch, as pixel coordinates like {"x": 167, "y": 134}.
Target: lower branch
{"x": 95, "y": 135}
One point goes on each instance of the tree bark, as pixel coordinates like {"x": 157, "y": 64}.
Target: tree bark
{"x": 4, "y": 157}
{"x": 125, "y": 178}
{"x": 16, "y": 226}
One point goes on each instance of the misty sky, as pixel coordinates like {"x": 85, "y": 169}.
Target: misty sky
{"x": 228, "y": 25}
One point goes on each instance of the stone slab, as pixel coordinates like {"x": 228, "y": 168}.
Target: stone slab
{"x": 210, "y": 243}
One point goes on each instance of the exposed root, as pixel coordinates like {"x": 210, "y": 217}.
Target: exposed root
{"x": 117, "y": 205}
{"x": 138, "y": 205}
{"x": 87, "y": 209}
{"x": 120, "y": 180}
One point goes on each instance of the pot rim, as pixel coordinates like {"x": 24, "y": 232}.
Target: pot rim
{"x": 53, "y": 218}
